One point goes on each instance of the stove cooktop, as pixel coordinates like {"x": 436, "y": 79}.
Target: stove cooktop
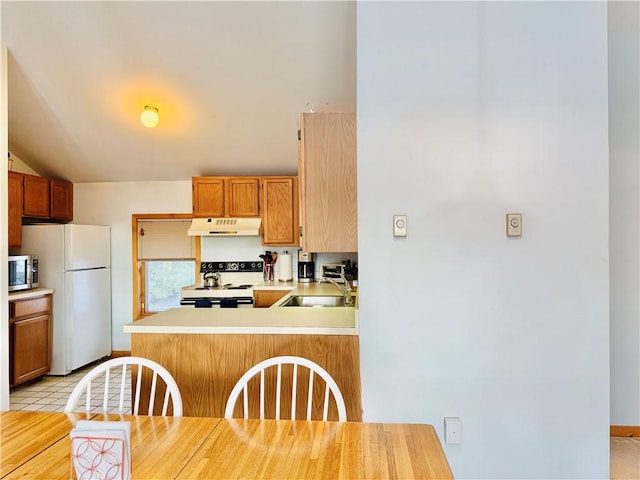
{"x": 228, "y": 286}
{"x": 237, "y": 279}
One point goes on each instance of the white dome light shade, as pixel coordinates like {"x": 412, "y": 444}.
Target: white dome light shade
{"x": 149, "y": 117}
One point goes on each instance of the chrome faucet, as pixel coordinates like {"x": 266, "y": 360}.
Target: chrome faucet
{"x": 346, "y": 291}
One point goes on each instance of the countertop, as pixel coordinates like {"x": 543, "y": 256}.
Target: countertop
{"x": 34, "y": 292}
{"x": 273, "y": 320}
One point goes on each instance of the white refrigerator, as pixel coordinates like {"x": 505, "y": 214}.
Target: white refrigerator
{"x": 75, "y": 260}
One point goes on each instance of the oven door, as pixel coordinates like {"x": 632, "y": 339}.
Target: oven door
{"x": 217, "y": 302}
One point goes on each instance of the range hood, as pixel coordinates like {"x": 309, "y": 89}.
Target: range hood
{"x": 217, "y": 227}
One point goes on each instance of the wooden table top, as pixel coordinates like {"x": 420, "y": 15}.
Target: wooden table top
{"x": 25, "y": 434}
{"x": 204, "y": 447}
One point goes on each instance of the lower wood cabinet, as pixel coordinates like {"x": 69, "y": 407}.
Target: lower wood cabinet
{"x": 207, "y": 366}
{"x": 266, "y": 298}
{"x": 29, "y": 338}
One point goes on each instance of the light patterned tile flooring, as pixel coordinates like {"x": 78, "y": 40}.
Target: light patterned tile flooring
{"x": 50, "y": 393}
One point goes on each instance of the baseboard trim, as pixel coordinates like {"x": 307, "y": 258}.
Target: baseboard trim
{"x": 120, "y": 353}
{"x": 624, "y": 431}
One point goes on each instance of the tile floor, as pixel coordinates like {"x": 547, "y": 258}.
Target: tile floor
{"x": 50, "y": 393}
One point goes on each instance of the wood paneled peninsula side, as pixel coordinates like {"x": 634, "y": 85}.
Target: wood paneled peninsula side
{"x": 208, "y": 350}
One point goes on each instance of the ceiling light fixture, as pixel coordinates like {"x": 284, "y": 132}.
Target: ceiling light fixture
{"x": 149, "y": 116}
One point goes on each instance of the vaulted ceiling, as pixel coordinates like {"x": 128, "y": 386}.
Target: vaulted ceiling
{"x": 229, "y": 79}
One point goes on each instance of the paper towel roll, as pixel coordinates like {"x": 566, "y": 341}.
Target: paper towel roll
{"x": 286, "y": 272}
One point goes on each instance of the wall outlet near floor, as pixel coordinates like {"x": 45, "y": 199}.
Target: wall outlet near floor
{"x": 453, "y": 430}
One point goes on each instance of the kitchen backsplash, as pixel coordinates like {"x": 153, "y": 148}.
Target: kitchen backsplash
{"x": 249, "y": 248}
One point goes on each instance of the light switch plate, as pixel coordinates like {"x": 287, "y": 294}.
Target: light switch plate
{"x": 399, "y": 225}
{"x": 514, "y": 224}
{"x": 453, "y": 430}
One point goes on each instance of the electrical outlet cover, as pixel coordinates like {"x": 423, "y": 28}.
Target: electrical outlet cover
{"x": 453, "y": 430}
{"x": 399, "y": 225}
{"x": 514, "y": 224}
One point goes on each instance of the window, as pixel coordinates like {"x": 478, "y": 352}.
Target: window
{"x": 165, "y": 260}
{"x": 163, "y": 280}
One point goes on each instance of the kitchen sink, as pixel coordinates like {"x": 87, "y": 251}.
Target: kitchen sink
{"x": 315, "y": 301}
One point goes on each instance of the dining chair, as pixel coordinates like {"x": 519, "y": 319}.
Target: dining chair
{"x": 295, "y": 368}
{"x": 158, "y": 380}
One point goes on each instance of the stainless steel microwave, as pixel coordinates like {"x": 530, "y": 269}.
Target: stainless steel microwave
{"x": 23, "y": 272}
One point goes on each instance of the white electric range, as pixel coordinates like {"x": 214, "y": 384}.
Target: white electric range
{"x": 234, "y": 290}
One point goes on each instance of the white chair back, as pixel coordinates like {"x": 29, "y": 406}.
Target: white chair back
{"x": 331, "y": 389}
{"x": 115, "y": 371}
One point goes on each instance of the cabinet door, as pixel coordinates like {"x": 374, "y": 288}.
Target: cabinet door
{"x": 328, "y": 182}
{"x": 266, "y": 298}
{"x": 243, "y": 196}
{"x": 208, "y": 196}
{"x": 15, "y": 209}
{"x": 279, "y": 211}
{"x": 31, "y": 348}
{"x": 36, "y": 197}
{"x": 61, "y": 198}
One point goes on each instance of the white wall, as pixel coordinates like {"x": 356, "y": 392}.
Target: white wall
{"x": 467, "y": 111}
{"x": 113, "y": 204}
{"x": 4, "y": 243}
{"x": 624, "y": 154}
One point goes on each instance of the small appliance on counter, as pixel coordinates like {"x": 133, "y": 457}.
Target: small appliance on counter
{"x": 335, "y": 271}
{"x": 340, "y": 271}
{"x": 23, "y": 272}
{"x": 306, "y": 267}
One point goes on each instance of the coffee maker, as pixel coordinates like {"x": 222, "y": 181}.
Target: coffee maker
{"x": 306, "y": 267}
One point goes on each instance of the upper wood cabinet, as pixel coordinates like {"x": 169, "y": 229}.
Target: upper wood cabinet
{"x": 36, "y": 199}
{"x": 31, "y": 196}
{"x": 327, "y": 175}
{"x": 279, "y": 205}
{"x": 47, "y": 198}
{"x": 243, "y": 196}
{"x": 273, "y": 198}
{"x": 61, "y": 200}
{"x": 208, "y": 196}
{"x": 226, "y": 196}
{"x": 15, "y": 209}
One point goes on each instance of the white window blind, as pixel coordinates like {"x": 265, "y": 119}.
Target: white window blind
{"x": 165, "y": 239}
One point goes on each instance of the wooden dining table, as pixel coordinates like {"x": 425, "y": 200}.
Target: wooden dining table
{"x": 37, "y": 445}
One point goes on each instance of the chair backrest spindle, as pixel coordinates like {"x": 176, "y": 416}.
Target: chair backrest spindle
{"x": 110, "y": 386}
{"x": 291, "y": 379}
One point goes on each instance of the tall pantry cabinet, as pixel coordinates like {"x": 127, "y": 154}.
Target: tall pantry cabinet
{"x": 327, "y": 176}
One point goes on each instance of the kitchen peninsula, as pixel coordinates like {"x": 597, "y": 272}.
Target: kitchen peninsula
{"x": 207, "y": 350}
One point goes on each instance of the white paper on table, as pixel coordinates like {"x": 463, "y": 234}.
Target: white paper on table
{"x": 101, "y": 450}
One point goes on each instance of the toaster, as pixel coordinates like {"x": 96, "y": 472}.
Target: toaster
{"x": 333, "y": 270}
